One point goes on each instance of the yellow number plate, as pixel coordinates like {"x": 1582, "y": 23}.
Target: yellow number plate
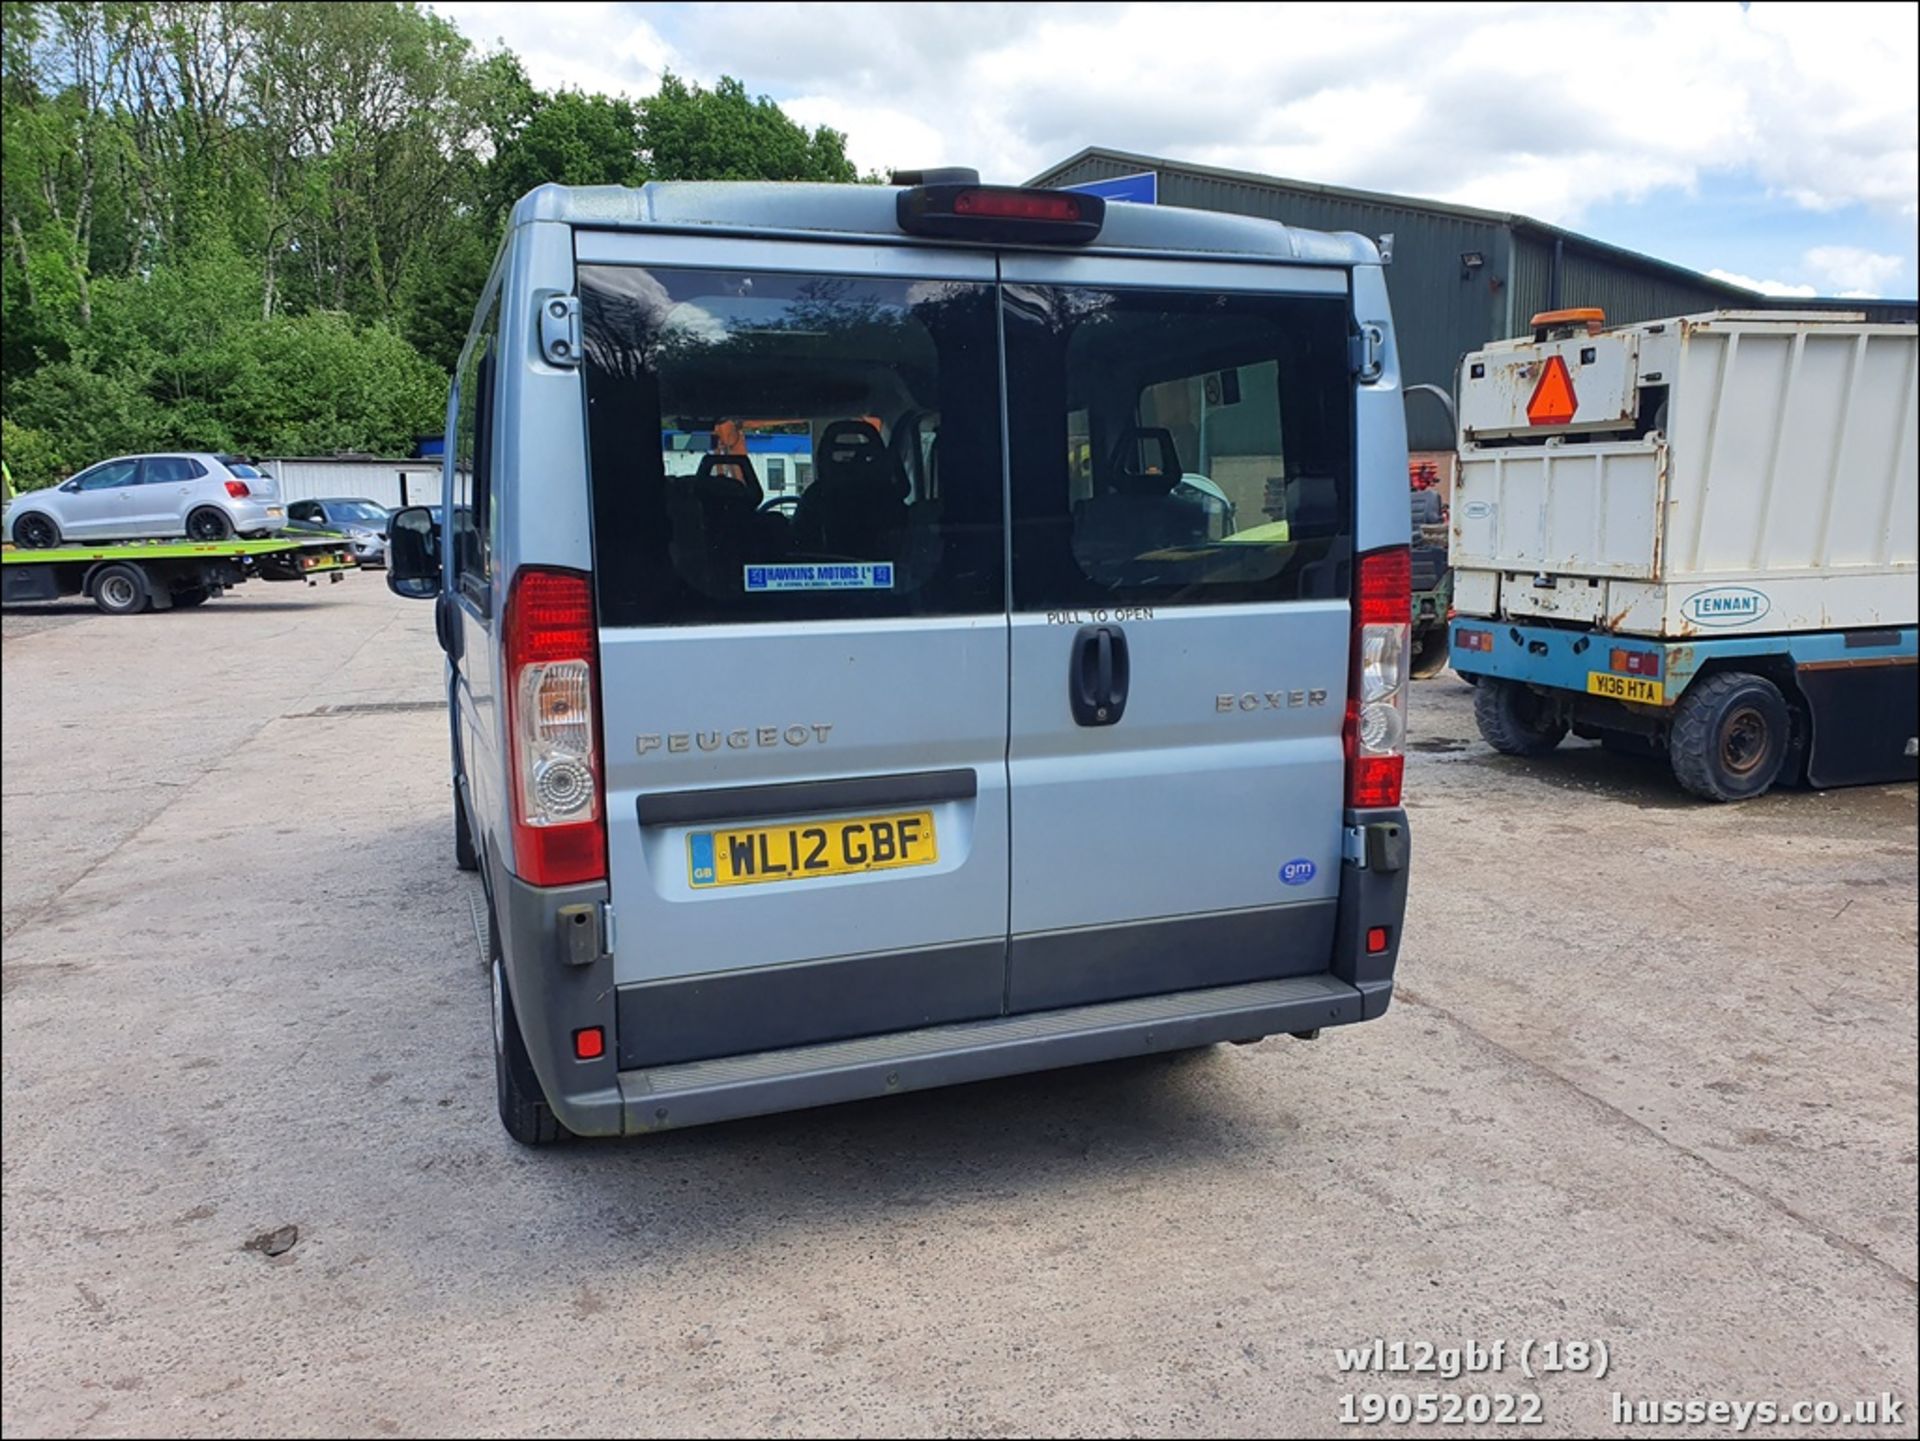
{"x": 1625, "y": 687}
{"x": 802, "y": 850}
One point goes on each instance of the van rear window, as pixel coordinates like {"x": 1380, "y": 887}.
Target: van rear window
{"x": 773, "y": 447}
{"x": 1177, "y": 447}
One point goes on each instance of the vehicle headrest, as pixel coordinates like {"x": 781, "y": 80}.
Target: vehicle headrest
{"x": 1128, "y": 474}
{"x": 852, "y": 450}
{"x": 719, "y": 468}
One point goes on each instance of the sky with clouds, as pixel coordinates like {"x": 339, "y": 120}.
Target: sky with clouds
{"x": 1774, "y": 145}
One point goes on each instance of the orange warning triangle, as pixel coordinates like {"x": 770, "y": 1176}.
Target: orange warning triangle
{"x": 1554, "y": 402}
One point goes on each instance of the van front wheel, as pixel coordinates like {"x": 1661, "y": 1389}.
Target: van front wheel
{"x": 523, "y": 1105}
{"x": 1515, "y": 719}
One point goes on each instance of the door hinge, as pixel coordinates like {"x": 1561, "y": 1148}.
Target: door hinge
{"x": 1353, "y": 846}
{"x": 1367, "y": 351}
{"x": 560, "y": 329}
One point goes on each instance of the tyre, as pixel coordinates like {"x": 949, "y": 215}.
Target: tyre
{"x": 188, "y": 599}
{"x": 1429, "y": 653}
{"x": 465, "y": 856}
{"x": 119, "y": 589}
{"x": 210, "y": 523}
{"x": 36, "y": 531}
{"x": 523, "y": 1105}
{"x": 1516, "y": 720}
{"x": 1731, "y": 734}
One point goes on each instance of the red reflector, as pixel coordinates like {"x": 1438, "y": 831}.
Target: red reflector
{"x": 1016, "y": 205}
{"x": 1384, "y": 591}
{"x": 591, "y": 1044}
{"x": 238, "y": 489}
{"x": 1553, "y": 401}
{"x": 1376, "y": 940}
{"x": 1376, "y": 780}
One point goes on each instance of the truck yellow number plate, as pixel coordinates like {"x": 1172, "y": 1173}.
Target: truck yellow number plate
{"x": 802, "y": 850}
{"x": 1625, "y": 687}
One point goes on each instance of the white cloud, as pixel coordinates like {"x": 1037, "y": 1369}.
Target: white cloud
{"x": 597, "y": 47}
{"x": 1843, "y": 270}
{"x": 1852, "y": 271}
{"x": 1765, "y": 287}
{"x": 1547, "y": 110}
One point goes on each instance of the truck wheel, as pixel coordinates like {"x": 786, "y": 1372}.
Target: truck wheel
{"x": 465, "y": 856}
{"x": 523, "y": 1105}
{"x": 34, "y": 531}
{"x": 1516, "y": 720}
{"x": 1731, "y": 733}
{"x": 210, "y": 523}
{"x": 120, "y": 589}
{"x": 1429, "y": 653}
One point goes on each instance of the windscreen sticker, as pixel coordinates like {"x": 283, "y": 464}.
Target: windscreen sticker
{"x": 865, "y": 575}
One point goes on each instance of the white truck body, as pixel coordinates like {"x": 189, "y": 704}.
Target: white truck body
{"x": 1734, "y": 473}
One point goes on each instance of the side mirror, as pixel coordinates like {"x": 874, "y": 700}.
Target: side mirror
{"x": 413, "y": 554}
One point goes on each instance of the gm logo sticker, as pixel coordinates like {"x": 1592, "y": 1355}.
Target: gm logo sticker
{"x": 1297, "y": 873}
{"x": 1725, "y": 605}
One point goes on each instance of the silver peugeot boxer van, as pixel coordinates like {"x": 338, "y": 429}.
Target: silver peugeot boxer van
{"x": 1049, "y": 708}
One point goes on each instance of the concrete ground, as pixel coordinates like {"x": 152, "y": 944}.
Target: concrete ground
{"x": 1649, "y": 1080}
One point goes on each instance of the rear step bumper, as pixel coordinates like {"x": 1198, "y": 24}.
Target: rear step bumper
{"x": 698, "y": 1092}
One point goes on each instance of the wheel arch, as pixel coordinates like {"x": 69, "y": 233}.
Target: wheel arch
{"x": 1779, "y": 667}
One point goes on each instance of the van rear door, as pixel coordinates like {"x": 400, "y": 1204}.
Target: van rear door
{"x": 804, "y": 700}
{"x": 1182, "y": 510}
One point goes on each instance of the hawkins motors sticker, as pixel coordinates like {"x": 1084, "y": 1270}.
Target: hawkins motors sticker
{"x": 866, "y": 575}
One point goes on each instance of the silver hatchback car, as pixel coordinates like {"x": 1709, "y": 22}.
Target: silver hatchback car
{"x": 195, "y": 494}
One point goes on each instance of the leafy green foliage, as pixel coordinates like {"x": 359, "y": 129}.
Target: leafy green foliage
{"x": 264, "y": 226}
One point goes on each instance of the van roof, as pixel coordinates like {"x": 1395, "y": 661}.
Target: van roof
{"x": 867, "y": 212}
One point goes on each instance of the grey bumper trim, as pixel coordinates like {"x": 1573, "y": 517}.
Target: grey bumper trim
{"x": 699, "y": 1092}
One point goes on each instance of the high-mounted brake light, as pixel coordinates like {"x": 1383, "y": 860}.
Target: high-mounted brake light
{"x": 1018, "y": 204}
{"x": 1000, "y": 213}
{"x": 1376, "y": 728}
{"x": 238, "y": 489}
{"x": 559, "y": 835}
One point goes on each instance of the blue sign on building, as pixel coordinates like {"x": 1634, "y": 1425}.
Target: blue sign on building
{"x": 1141, "y": 189}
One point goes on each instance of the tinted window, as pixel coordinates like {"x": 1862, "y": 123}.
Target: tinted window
{"x": 169, "y": 469}
{"x": 303, "y": 510}
{"x": 242, "y": 471}
{"x": 695, "y": 378}
{"x": 1177, "y": 447}
{"x": 106, "y": 477}
{"x": 357, "y": 512}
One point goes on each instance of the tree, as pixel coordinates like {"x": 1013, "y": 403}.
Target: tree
{"x": 264, "y": 226}
{"x": 693, "y": 134}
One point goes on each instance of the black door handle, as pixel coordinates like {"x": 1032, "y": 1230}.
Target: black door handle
{"x": 1097, "y": 675}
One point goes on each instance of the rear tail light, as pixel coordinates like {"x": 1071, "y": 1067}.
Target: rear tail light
{"x": 559, "y": 834}
{"x": 1634, "y": 662}
{"x": 1473, "y": 639}
{"x": 238, "y": 489}
{"x": 1376, "y": 729}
